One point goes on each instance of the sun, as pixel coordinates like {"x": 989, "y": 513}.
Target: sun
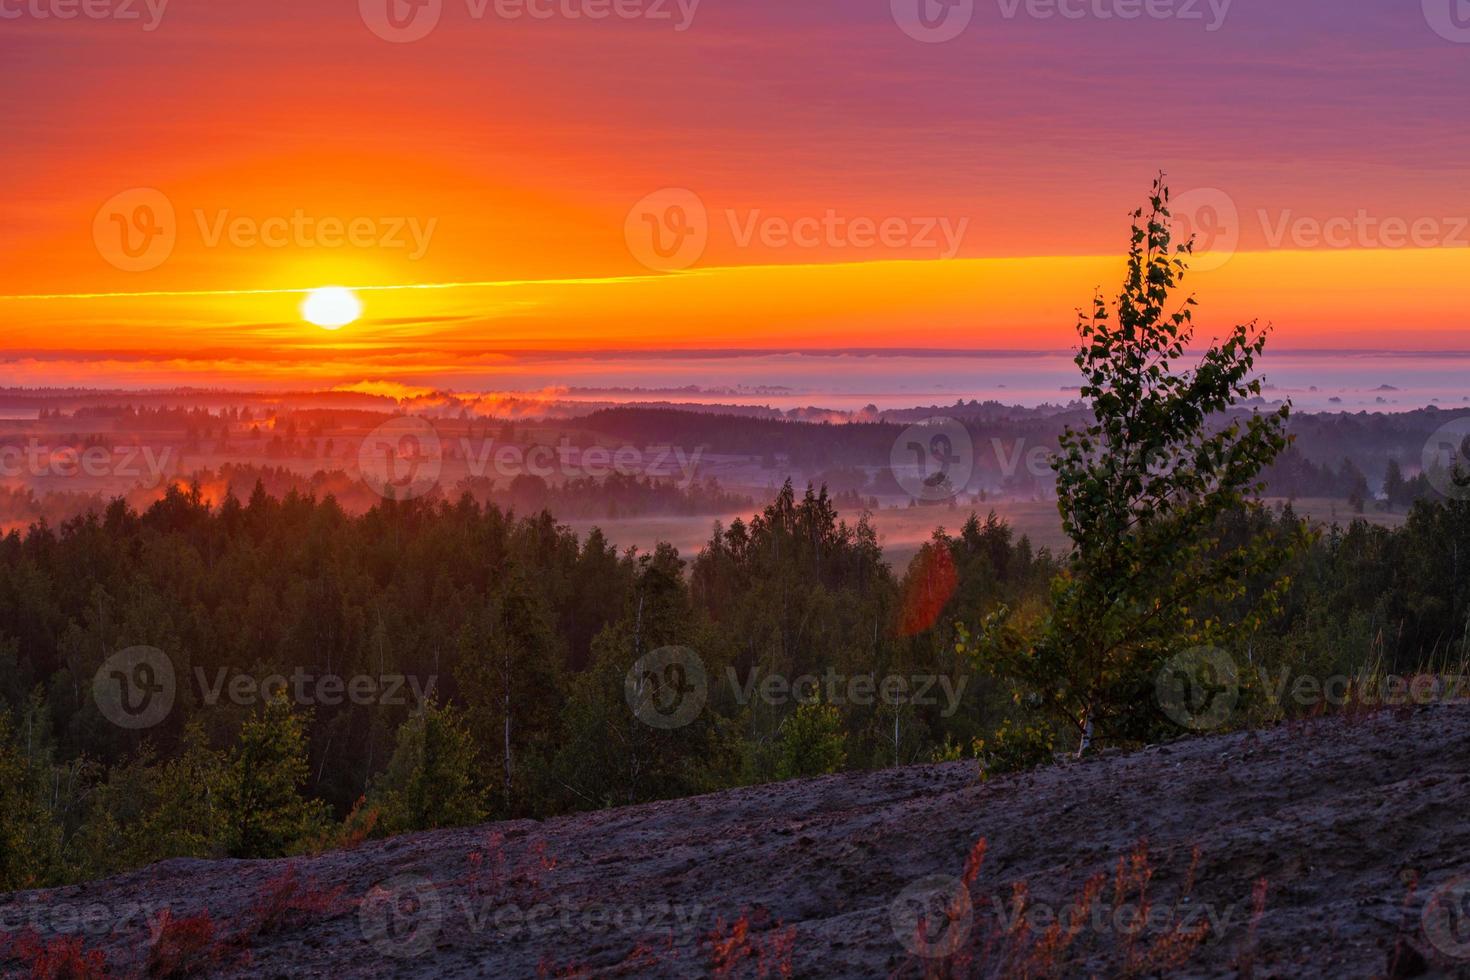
{"x": 331, "y": 307}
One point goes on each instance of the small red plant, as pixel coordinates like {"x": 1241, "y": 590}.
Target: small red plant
{"x": 492, "y": 873}
{"x": 644, "y": 957}
{"x": 60, "y": 958}
{"x": 769, "y": 948}
{"x": 286, "y": 897}
{"x": 185, "y": 947}
{"x": 773, "y": 958}
{"x": 728, "y": 950}
{"x": 1005, "y": 944}
{"x": 1246, "y": 962}
{"x": 359, "y": 824}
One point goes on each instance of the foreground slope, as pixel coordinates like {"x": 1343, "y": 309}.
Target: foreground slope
{"x": 1351, "y": 823}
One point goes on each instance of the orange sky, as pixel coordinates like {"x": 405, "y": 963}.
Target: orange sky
{"x": 842, "y": 184}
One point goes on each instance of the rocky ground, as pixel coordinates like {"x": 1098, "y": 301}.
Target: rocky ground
{"x": 1332, "y": 848}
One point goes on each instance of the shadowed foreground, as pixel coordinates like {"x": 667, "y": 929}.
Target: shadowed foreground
{"x": 1353, "y": 824}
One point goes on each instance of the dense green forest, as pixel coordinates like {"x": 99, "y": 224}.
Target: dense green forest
{"x": 526, "y": 635}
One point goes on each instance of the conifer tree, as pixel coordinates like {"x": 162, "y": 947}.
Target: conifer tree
{"x": 434, "y": 778}
{"x": 266, "y": 813}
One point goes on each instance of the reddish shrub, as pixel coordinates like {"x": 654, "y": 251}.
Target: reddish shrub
{"x": 359, "y": 825}
{"x": 770, "y": 948}
{"x": 185, "y": 947}
{"x": 286, "y": 898}
{"x": 59, "y": 958}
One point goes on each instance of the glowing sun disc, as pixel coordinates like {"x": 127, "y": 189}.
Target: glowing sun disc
{"x": 331, "y": 307}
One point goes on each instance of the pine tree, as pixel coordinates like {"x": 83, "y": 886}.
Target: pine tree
{"x": 434, "y": 777}
{"x": 266, "y": 814}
